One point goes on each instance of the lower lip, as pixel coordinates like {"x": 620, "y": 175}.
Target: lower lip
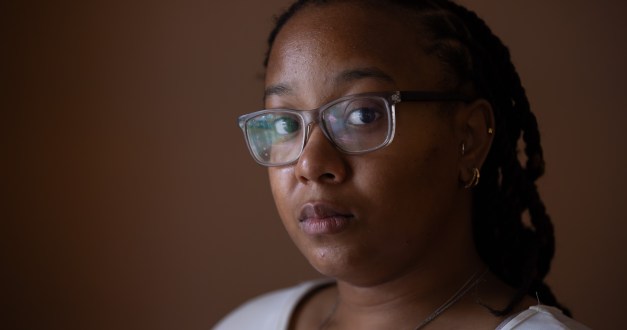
{"x": 325, "y": 226}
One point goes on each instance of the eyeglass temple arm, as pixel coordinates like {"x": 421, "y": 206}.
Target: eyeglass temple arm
{"x": 430, "y": 96}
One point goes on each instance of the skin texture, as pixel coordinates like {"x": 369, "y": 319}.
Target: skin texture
{"x": 406, "y": 245}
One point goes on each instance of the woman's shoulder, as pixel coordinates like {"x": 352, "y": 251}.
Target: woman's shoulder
{"x": 541, "y": 317}
{"x": 271, "y": 310}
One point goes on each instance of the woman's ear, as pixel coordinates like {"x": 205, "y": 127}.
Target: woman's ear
{"x": 475, "y": 124}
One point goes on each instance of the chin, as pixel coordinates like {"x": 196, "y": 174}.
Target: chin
{"x": 328, "y": 260}
{"x": 339, "y": 263}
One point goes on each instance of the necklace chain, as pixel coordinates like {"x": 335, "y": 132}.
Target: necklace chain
{"x": 472, "y": 282}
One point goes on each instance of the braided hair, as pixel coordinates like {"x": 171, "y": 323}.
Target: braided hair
{"x": 512, "y": 232}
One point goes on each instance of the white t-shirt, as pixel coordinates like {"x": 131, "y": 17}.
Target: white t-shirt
{"x": 273, "y": 311}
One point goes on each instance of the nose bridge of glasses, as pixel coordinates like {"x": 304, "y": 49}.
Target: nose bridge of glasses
{"x": 312, "y": 118}
{"x": 309, "y": 117}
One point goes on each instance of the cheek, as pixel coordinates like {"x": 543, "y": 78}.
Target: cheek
{"x": 416, "y": 177}
{"x": 410, "y": 177}
{"x": 282, "y": 186}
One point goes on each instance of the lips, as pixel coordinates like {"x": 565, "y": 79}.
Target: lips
{"x": 322, "y": 218}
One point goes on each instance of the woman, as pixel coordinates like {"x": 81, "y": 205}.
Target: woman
{"x": 403, "y": 184}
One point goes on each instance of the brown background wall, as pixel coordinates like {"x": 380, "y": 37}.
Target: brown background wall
{"x": 129, "y": 200}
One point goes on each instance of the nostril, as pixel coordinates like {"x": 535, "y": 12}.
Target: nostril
{"x": 324, "y": 177}
{"x": 327, "y": 177}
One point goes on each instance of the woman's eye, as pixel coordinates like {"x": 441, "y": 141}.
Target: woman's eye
{"x": 363, "y": 116}
{"x": 285, "y": 126}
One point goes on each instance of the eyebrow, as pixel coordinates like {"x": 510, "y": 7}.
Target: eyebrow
{"x": 346, "y": 76}
{"x": 278, "y": 89}
{"x": 351, "y": 75}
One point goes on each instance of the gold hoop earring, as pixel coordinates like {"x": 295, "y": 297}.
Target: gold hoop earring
{"x": 475, "y": 179}
{"x": 463, "y": 148}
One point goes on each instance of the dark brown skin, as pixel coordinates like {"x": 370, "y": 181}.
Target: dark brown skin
{"x": 408, "y": 246}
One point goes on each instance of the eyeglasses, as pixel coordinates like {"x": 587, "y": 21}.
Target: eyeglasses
{"x": 354, "y": 124}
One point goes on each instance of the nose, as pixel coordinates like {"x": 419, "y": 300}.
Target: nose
{"x": 320, "y": 161}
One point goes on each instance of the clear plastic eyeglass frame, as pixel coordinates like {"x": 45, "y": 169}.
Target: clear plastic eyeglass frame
{"x": 316, "y": 116}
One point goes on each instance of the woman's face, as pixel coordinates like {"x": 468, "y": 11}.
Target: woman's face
{"x": 369, "y": 217}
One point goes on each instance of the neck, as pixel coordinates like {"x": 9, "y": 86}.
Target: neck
{"x": 404, "y": 301}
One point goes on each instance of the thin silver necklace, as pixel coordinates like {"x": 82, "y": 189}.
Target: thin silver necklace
{"x": 472, "y": 282}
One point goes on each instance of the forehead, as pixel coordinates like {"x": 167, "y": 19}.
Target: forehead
{"x": 346, "y": 26}
{"x": 320, "y": 41}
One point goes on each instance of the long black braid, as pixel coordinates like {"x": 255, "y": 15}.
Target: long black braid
{"x": 518, "y": 251}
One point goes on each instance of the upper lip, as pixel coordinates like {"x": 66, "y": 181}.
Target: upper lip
{"x": 321, "y": 211}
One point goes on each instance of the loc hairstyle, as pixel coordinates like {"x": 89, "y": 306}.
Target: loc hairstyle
{"x": 518, "y": 251}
